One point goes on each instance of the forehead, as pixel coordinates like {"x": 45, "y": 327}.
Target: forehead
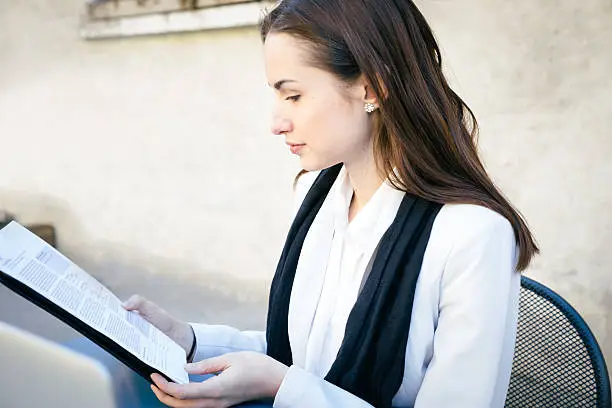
{"x": 288, "y": 58}
{"x": 284, "y": 56}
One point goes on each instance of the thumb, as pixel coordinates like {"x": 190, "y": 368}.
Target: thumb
{"x": 208, "y": 366}
{"x": 134, "y": 302}
{"x": 143, "y": 306}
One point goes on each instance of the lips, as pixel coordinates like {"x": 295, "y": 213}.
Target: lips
{"x": 295, "y": 147}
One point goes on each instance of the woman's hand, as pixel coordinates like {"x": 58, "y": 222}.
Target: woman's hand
{"x": 177, "y": 330}
{"x": 243, "y": 376}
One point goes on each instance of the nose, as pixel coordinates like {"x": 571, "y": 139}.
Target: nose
{"x": 281, "y": 126}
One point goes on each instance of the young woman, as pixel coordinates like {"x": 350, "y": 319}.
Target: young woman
{"x": 398, "y": 284}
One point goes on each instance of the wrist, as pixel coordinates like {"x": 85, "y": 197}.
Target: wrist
{"x": 280, "y": 371}
{"x": 184, "y": 336}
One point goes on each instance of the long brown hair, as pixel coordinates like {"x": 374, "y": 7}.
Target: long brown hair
{"x": 424, "y": 130}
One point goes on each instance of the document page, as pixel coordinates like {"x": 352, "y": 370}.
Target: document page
{"x": 30, "y": 260}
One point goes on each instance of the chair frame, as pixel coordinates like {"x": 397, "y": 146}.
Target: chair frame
{"x": 602, "y": 379}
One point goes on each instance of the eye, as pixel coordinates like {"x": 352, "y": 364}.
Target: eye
{"x": 293, "y": 98}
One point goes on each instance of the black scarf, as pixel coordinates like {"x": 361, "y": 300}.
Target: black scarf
{"x": 370, "y": 362}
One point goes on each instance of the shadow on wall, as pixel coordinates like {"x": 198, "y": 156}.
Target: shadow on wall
{"x": 195, "y": 296}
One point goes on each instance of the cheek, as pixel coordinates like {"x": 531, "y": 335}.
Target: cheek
{"x": 334, "y": 132}
{"x": 330, "y": 121}
{"x": 346, "y": 128}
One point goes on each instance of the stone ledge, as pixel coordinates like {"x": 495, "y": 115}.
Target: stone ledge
{"x": 104, "y": 9}
{"x": 211, "y": 18}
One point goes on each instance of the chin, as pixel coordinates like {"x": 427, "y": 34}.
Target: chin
{"x": 310, "y": 163}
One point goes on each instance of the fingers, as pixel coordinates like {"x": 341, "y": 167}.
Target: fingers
{"x": 177, "y": 403}
{"x": 143, "y": 306}
{"x": 208, "y": 366}
{"x": 209, "y": 389}
{"x": 135, "y": 302}
{"x": 161, "y": 319}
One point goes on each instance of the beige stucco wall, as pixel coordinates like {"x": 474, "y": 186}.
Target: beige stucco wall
{"x": 152, "y": 156}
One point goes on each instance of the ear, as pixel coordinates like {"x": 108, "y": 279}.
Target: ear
{"x": 369, "y": 96}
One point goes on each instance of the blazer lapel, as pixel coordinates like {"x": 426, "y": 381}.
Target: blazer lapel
{"x": 309, "y": 278}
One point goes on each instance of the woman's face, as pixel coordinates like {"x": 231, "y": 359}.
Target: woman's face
{"x": 321, "y": 117}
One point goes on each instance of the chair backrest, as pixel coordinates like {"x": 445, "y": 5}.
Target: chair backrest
{"x": 557, "y": 361}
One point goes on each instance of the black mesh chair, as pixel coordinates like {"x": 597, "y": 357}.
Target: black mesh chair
{"x": 557, "y": 361}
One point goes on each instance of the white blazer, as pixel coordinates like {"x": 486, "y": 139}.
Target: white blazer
{"x": 462, "y": 333}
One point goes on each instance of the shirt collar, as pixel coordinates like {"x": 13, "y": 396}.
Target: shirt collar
{"x": 373, "y": 220}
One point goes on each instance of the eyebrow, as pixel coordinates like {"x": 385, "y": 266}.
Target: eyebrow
{"x": 279, "y": 84}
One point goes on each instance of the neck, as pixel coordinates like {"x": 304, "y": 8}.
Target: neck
{"x": 364, "y": 180}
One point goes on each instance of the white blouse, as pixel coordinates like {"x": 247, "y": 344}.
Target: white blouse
{"x": 461, "y": 339}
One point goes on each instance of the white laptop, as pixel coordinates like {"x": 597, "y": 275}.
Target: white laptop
{"x": 35, "y": 372}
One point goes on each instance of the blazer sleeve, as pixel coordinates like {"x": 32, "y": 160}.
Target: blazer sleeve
{"x": 301, "y": 389}
{"x": 216, "y": 340}
{"x": 478, "y": 309}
